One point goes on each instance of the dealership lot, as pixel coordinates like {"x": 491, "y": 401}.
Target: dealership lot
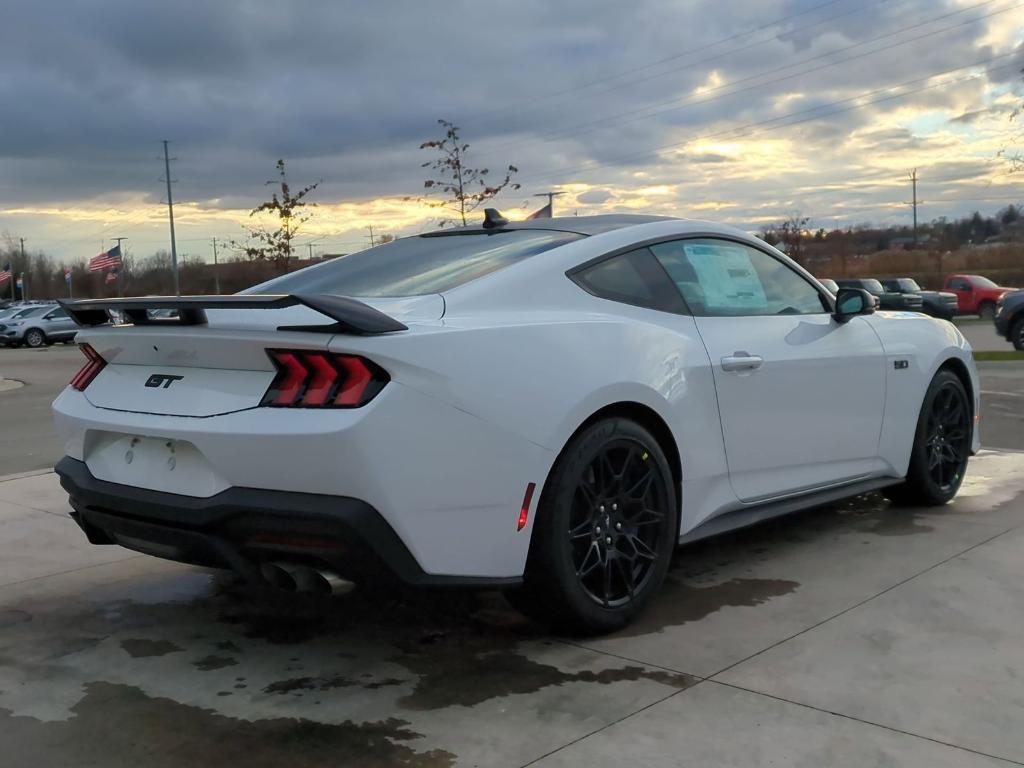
{"x": 852, "y": 635}
{"x": 857, "y": 634}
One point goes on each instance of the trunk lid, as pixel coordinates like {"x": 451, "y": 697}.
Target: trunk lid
{"x": 221, "y": 365}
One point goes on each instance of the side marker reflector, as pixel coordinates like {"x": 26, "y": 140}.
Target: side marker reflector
{"x": 524, "y": 512}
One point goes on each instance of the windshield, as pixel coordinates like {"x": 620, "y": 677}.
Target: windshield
{"x": 872, "y": 286}
{"x": 415, "y": 266}
{"x": 982, "y": 282}
{"x": 26, "y": 312}
{"x": 906, "y": 284}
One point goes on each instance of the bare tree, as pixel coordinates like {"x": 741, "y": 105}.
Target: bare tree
{"x": 289, "y": 209}
{"x": 464, "y": 189}
{"x": 792, "y": 232}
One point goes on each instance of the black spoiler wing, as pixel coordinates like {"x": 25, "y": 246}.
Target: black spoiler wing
{"x": 350, "y": 315}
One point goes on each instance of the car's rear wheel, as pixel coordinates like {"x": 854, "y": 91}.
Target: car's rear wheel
{"x": 987, "y": 310}
{"x": 605, "y": 530}
{"x": 35, "y": 338}
{"x": 1017, "y": 334}
{"x": 942, "y": 444}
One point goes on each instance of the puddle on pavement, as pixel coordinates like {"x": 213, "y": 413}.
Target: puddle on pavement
{"x": 157, "y": 725}
{"x": 681, "y": 603}
{"x": 141, "y": 648}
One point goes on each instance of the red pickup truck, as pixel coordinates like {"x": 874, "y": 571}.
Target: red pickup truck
{"x": 975, "y": 295}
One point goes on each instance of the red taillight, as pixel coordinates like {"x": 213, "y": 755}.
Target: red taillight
{"x": 322, "y": 380}
{"x": 94, "y": 364}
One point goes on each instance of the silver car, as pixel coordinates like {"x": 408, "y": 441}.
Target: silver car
{"x": 37, "y": 326}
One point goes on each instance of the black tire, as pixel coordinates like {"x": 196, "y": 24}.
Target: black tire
{"x": 35, "y": 338}
{"x": 605, "y": 531}
{"x": 987, "y": 311}
{"x": 942, "y": 443}
{"x": 1017, "y": 334}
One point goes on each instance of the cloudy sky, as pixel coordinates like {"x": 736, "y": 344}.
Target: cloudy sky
{"x": 735, "y": 110}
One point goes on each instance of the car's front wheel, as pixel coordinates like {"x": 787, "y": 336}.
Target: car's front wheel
{"x": 1017, "y": 334}
{"x": 35, "y": 338}
{"x": 987, "y": 311}
{"x": 942, "y": 445}
{"x": 605, "y": 530}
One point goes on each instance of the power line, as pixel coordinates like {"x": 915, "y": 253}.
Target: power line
{"x": 576, "y": 89}
{"x": 633, "y": 115}
{"x": 752, "y": 127}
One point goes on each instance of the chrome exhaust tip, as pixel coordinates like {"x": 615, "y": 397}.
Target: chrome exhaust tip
{"x": 322, "y": 582}
{"x": 305, "y": 579}
{"x": 281, "y": 575}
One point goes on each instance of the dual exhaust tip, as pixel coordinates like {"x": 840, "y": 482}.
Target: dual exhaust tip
{"x": 292, "y": 577}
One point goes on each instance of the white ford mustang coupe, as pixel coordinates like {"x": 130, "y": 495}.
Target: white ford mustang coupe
{"x": 547, "y": 407}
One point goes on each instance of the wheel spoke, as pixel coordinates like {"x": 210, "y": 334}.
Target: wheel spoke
{"x": 640, "y": 488}
{"x": 593, "y": 557}
{"x": 627, "y": 575}
{"x": 581, "y": 531}
{"x": 654, "y": 517}
{"x": 642, "y": 550}
{"x": 607, "y": 579}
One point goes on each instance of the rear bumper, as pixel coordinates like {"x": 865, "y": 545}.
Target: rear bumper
{"x": 239, "y": 528}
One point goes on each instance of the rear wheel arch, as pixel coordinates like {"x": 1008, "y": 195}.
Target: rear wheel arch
{"x": 650, "y": 420}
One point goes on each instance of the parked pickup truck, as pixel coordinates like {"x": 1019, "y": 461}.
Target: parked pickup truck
{"x": 1010, "y": 319}
{"x": 936, "y": 303}
{"x": 886, "y": 299}
{"x": 975, "y": 295}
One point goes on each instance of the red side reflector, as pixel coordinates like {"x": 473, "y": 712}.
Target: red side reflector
{"x": 94, "y": 364}
{"x": 524, "y": 512}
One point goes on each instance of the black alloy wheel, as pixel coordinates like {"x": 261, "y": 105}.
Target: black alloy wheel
{"x": 616, "y": 522}
{"x": 942, "y": 445}
{"x": 948, "y": 436}
{"x": 605, "y": 530}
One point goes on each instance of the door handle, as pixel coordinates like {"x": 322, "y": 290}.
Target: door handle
{"x": 741, "y": 361}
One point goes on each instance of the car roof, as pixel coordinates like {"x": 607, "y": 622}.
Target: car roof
{"x": 581, "y": 225}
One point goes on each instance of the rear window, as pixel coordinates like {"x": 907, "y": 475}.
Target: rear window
{"x": 415, "y": 266}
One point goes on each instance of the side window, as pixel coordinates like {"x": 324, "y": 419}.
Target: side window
{"x": 631, "y": 278}
{"x": 959, "y": 284}
{"x": 727, "y": 279}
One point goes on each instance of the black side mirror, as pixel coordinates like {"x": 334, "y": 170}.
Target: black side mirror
{"x": 851, "y": 302}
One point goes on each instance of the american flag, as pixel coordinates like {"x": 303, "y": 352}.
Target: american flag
{"x": 112, "y": 275}
{"x": 111, "y": 258}
{"x": 67, "y": 275}
{"x": 5, "y": 274}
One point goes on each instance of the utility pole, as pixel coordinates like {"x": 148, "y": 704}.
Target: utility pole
{"x": 309, "y": 247}
{"x": 551, "y": 199}
{"x": 372, "y": 242}
{"x": 120, "y": 271}
{"x": 216, "y": 271}
{"x": 22, "y": 239}
{"x": 170, "y": 218}
{"x": 913, "y": 181}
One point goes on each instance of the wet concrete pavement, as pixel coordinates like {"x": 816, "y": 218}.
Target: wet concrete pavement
{"x": 857, "y": 634}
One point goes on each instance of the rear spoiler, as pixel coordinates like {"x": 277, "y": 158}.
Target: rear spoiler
{"x": 350, "y": 316}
